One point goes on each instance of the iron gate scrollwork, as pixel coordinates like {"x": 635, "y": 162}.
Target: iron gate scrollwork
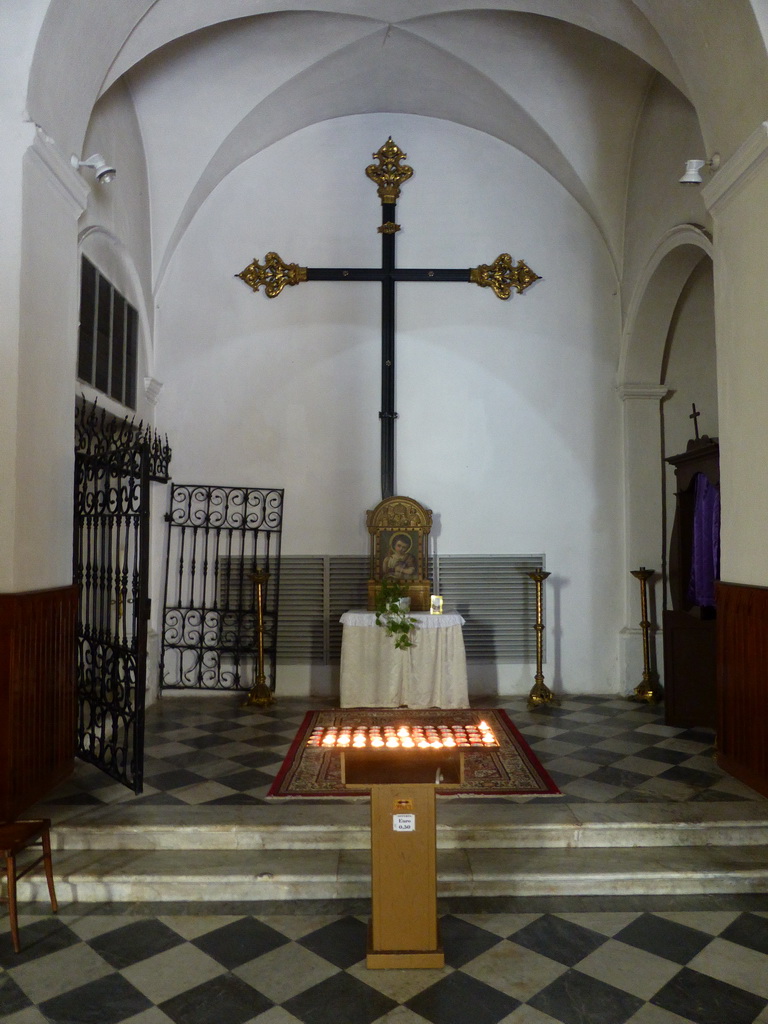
{"x": 111, "y": 543}
{"x": 114, "y": 462}
{"x": 218, "y": 538}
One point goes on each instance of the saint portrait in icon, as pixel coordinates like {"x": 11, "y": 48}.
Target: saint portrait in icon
{"x": 399, "y": 562}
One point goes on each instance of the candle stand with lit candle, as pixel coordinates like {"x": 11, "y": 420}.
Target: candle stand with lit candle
{"x": 403, "y": 765}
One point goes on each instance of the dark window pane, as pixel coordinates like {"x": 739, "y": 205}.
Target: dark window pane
{"x": 108, "y": 338}
{"x": 87, "y": 308}
{"x": 131, "y": 356}
{"x": 118, "y": 347}
{"x": 103, "y": 332}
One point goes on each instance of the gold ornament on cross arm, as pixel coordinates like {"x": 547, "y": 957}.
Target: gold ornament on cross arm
{"x": 389, "y": 175}
{"x": 274, "y": 274}
{"x": 503, "y": 276}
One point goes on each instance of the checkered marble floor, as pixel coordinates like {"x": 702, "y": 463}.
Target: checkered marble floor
{"x": 509, "y": 960}
{"x": 207, "y": 750}
{"x": 533, "y": 961}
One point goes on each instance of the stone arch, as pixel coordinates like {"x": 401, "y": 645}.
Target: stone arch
{"x": 97, "y": 242}
{"x": 653, "y": 302}
{"x": 642, "y": 390}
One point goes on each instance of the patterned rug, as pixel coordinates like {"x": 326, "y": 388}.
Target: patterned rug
{"x": 510, "y": 769}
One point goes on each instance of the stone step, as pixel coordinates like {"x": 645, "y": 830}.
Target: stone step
{"x": 460, "y": 826}
{"x": 296, "y": 874}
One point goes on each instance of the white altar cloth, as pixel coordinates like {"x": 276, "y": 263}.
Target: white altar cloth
{"x": 431, "y": 674}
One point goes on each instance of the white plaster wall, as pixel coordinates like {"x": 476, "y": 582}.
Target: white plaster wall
{"x": 509, "y": 425}
{"x": 53, "y": 198}
{"x": 115, "y": 228}
{"x": 741, "y": 306}
{"x": 667, "y": 135}
{"x": 18, "y": 32}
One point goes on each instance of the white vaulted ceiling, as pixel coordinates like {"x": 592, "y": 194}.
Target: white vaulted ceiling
{"x": 563, "y": 82}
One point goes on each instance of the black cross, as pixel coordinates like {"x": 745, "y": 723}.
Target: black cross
{"x": 389, "y": 175}
{"x": 695, "y": 417}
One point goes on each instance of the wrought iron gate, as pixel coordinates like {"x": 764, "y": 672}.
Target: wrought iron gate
{"x": 218, "y": 538}
{"x": 114, "y": 463}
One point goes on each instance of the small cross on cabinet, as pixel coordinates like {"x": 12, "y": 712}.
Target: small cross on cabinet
{"x": 389, "y": 173}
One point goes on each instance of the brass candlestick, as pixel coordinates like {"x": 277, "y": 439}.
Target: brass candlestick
{"x": 260, "y": 694}
{"x": 649, "y": 690}
{"x": 540, "y": 693}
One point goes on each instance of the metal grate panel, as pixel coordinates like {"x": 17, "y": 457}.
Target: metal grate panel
{"x": 497, "y": 600}
{"x": 492, "y": 592}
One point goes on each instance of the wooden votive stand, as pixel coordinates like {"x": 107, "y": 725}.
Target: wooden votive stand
{"x": 403, "y": 767}
{"x": 403, "y": 931}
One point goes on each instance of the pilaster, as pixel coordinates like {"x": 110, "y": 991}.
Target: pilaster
{"x": 643, "y": 517}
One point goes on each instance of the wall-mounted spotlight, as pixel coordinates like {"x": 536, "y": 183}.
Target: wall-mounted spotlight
{"x": 693, "y": 168}
{"x": 104, "y": 172}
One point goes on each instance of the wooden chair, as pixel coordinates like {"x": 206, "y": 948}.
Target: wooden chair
{"x": 16, "y": 836}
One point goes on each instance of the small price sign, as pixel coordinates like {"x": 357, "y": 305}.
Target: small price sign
{"x": 404, "y": 822}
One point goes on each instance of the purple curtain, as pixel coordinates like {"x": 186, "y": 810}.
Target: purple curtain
{"x": 705, "y": 557}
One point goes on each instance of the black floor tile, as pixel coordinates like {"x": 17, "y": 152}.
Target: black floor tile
{"x": 12, "y": 998}
{"x": 561, "y": 940}
{"x": 583, "y": 739}
{"x": 342, "y": 942}
{"x": 703, "y": 1000}
{"x": 575, "y": 998}
{"x": 715, "y": 796}
{"x": 237, "y": 943}
{"x": 161, "y": 799}
{"x": 79, "y": 799}
{"x": 674, "y": 941}
{"x": 617, "y": 777}
{"x": 278, "y": 726}
{"x": 38, "y": 938}
{"x": 460, "y": 999}
{"x": 688, "y": 776}
{"x": 748, "y": 930}
{"x": 633, "y": 796}
{"x": 591, "y": 755}
{"x": 222, "y": 1000}
{"x": 106, "y": 1001}
{"x": 174, "y": 779}
{"x": 463, "y": 941}
{"x": 663, "y": 754}
{"x": 192, "y": 759}
{"x": 341, "y": 999}
{"x": 134, "y": 942}
{"x": 257, "y": 759}
{"x": 205, "y": 741}
{"x": 250, "y": 778}
{"x": 235, "y": 800}
{"x": 277, "y": 740}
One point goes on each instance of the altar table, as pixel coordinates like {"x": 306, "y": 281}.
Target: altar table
{"x": 431, "y": 674}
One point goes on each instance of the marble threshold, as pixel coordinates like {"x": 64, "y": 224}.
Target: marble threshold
{"x": 320, "y": 851}
{"x": 306, "y": 874}
{"x": 459, "y": 826}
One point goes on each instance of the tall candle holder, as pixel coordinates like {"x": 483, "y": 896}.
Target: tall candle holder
{"x": 649, "y": 690}
{"x": 260, "y": 694}
{"x": 540, "y": 693}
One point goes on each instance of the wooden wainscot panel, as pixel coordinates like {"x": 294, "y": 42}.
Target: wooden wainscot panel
{"x": 37, "y": 695}
{"x": 742, "y": 674}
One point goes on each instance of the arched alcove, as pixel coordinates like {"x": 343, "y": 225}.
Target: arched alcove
{"x": 667, "y": 363}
